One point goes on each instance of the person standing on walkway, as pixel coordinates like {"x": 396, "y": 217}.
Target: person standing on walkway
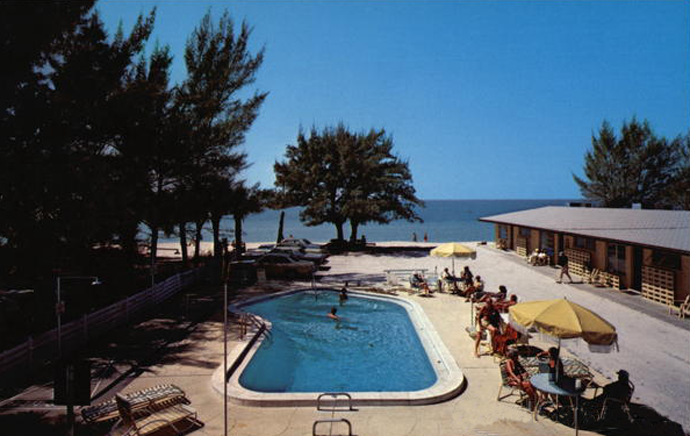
{"x": 414, "y": 237}
{"x": 563, "y": 263}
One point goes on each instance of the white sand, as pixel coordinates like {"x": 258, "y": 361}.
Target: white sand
{"x": 655, "y": 353}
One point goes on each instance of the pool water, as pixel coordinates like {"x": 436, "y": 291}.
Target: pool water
{"x": 373, "y": 348}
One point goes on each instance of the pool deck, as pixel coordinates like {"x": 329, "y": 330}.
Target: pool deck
{"x": 475, "y": 408}
{"x": 193, "y": 352}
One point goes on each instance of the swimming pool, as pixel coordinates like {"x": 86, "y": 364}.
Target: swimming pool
{"x": 383, "y": 351}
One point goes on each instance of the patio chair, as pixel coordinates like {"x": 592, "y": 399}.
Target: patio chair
{"x": 136, "y": 423}
{"x": 507, "y": 383}
{"x": 624, "y": 404}
{"x": 683, "y": 309}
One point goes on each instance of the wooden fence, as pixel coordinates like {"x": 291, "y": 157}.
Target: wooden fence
{"x": 39, "y": 349}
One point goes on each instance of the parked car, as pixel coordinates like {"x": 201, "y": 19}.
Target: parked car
{"x": 302, "y": 243}
{"x": 302, "y": 254}
{"x": 283, "y": 265}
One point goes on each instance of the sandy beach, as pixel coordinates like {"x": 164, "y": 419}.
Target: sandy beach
{"x": 653, "y": 349}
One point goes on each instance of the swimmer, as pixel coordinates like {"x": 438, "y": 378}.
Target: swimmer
{"x": 332, "y": 314}
{"x": 343, "y": 296}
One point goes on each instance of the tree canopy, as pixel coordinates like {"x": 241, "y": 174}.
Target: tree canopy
{"x": 337, "y": 175}
{"x": 95, "y": 141}
{"x": 633, "y": 167}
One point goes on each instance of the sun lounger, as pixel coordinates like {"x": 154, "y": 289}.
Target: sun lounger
{"x": 156, "y": 397}
{"x": 141, "y": 422}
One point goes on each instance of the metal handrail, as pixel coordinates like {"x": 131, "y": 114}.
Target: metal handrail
{"x": 349, "y": 425}
{"x": 335, "y": 396}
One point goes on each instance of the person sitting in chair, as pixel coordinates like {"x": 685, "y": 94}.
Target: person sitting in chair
{"x": 519, "y": 376}
{"x": 417, "y": 281}
{"x": 620, "y": 389}
{"x": 503, "y": 305}
{"x": 449, "y": 280}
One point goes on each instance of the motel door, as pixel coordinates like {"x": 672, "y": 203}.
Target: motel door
{"x": 637, "y": 269}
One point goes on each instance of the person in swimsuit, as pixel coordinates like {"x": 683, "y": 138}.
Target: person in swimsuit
{"x": 519, "y": 376}
{"x": 332, "y": 314}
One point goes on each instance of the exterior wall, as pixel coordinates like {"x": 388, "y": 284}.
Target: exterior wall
{"x": 599, "y": 256}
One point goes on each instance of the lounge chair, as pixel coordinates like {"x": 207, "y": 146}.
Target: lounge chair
{"x": 156, "y": 397}
{"x": 140, "y": 424}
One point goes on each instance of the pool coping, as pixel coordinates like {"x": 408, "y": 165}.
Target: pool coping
{"x": 450, "y": 378}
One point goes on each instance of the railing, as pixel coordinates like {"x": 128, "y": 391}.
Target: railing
{"x": 39, "y": 349}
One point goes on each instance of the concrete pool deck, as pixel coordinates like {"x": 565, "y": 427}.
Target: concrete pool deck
{"x": 474, "y": 409}
{"x": 654, "y": 349}
{"x": 647, "y": 335}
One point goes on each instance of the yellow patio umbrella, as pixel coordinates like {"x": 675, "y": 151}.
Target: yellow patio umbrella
{"x": 453, "y": 250}
{"x": 564, "y": 319}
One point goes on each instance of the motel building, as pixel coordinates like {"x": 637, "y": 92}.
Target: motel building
{"x": 642, "y": 250}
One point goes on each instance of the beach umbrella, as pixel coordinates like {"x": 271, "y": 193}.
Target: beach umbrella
{"x": 563, "y": 319}
{"x": 453, "y": 250}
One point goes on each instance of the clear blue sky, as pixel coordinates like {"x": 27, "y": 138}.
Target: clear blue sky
{"x": 485, "y": 99}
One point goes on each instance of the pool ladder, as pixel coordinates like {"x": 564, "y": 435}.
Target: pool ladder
{"x": 333, "y": 408}
{"x": 247, "y": 318}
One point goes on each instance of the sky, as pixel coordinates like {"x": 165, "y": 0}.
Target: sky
{"x": 484, "y": 99}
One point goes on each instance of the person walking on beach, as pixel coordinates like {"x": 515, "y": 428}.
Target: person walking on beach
{"x": 563, "y": 263}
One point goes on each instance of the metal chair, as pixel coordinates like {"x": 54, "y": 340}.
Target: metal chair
{"x": 623, "y": 402}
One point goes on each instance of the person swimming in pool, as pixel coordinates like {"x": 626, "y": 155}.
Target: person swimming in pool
{"x": 332, "y": 314}
{"x": 343, "y": 296}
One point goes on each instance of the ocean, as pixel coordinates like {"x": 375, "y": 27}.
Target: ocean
{"x": 444, "y": 221}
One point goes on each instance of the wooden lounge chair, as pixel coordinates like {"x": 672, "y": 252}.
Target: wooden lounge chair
{"x": 683, "y": 309}
{"x": 513, "y": 389}
{"x": 156, "y": 397}
{"x": 140, "y": 424}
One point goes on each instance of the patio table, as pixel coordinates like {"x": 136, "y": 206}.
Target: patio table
{"x": 572, "y": 367}
{"x": 542, "y": 383}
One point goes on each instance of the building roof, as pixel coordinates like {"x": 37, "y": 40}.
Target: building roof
{"x": 668, "y": 229}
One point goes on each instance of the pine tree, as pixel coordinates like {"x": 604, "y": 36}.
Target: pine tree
{"x": 635, "y": 167}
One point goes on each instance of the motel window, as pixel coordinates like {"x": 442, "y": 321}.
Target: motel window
{"x": 546, "y": 242}
{"x": 616, "y": 257}
{"x": 584, "y": 243}
{"x": 503, "y": 232}
{"x": 525, "y": 232}
{"x": 665, "y": 259}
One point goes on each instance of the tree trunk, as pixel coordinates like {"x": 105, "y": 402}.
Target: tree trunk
{"x": 217, "y": 247}
{"x": 354, "y": 225}
{"x": 197, "y": 240}
{"x": 239, "y": 245}
{"x": 153, "y": 249}
{"x": 280, "y": 227}
{"x": 183, "y": 242}
{"x": 339, "y": 230}
{"x": 128, "y": 242}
